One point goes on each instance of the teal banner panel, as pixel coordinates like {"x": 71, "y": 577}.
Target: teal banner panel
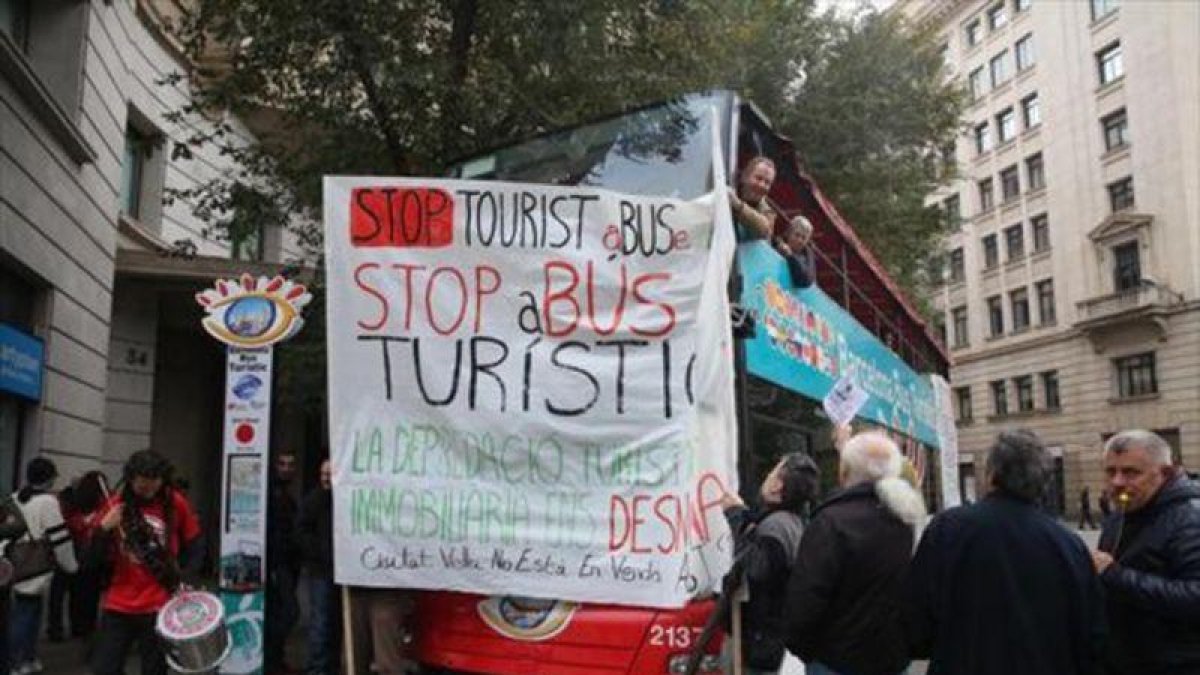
{"x": 806, "y": 341}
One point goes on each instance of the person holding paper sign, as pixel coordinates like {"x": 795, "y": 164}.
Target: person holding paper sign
{"x": 768, "y": 539}
{"x": 846, "y": 587}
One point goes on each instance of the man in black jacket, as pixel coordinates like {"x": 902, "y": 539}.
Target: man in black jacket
{"x": 283, "y": 564}
{"x": 1000, "y": 587}
{"x": 843, "y": 600}
{"x": 315, "y": 528}
{"x": 1149, "y": 559}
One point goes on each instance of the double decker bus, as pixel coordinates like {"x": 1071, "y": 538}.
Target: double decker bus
{"x": 854, "y": 318}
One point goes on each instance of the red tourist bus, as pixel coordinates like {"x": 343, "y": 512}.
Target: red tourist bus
{"x": 666, "y": 149}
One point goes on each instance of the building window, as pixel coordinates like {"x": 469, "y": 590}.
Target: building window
{"x": 1019, "y": 301}
{"x": 999, "y": 69}
{"x": 974, "y": 32}
{"x": 983, "y": 138}
{"x": 987, "y": 199}
{"x": 1041, "y": 233}
{"x": 1116, "y": 130}
{"x": 1135, "y": 375}
{"x": 1102, "y": 8}
{"x": 1014, "y": 237}
{"x": 1020, "y": 6}
{"x": 952, "y": 210}
{"x": 14, "y": 20}
{"x": 999, "y": 398}
{"x": 997, "y": 17}
{"x": 958, "y": 267}
{"x": 1035, "y": 172}
{"x": 138, "y": 149}
{"x": 1120, "y": 194}
{"x": 962, "y": 404}
{"x": 1050, "y": 389}
{"x": 1023, "y": 53}
{"x": 1031, "y": 108}
{"x": 1006, "y": 125}
{"x": 995, "y": 316}
{"x": 959, "y": 318}
{"x": 1010, "y": 184}
{"x": 1045, "y": 298}
{"x": 991, "y": 252}
{"x": 1108, "y": 60}
{"x": 976, "y": 83}
{"x": 1127, "y": 267}
{"x": 1024, "y": 387}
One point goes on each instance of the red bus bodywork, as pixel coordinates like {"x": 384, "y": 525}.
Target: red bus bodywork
{"x": 596, "y": 639}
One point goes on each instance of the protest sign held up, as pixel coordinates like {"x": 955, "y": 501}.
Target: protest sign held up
{"x": 531, "y": 389}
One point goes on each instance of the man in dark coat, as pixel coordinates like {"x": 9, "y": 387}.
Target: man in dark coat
{"x": 282, "y": 562}
{"x": 316, "y": 542}
{"x": 999, "y": 587}
{"x": 1149, "y": 559}
{"x": 843, "y": 600}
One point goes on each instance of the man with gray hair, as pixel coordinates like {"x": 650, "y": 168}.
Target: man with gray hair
{"x": 1000, "y": 587}
{"x": 844, "y": 596}
{"x": 1149, "y": 559}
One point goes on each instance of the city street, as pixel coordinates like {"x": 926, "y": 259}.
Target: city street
{"x": 569, "y": 313}
{"x": 67, "y": 658}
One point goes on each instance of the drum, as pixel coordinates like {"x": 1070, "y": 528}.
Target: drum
{"x": 192, "y": 629}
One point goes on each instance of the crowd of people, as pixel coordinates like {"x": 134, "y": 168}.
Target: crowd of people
{"x": 113, "y": 558}
{"x": 867, "y": 583}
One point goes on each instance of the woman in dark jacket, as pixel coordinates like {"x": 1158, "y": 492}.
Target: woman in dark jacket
{"x": 767, "y": 541}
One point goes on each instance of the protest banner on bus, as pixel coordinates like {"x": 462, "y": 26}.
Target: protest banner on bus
{"x": 531, "y": 389}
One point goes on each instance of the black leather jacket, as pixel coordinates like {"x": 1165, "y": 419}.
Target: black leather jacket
{"x": 1153, "y": 588}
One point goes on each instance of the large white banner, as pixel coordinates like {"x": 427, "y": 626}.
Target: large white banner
{"x": 531, "y": 389}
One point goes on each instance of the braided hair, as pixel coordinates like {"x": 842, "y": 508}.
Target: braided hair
{"x": 140, "y": 538}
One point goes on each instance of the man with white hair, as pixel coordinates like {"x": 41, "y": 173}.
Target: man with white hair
{"x": 1149, "y": 559}
{"x": 846, "y": 589}
{"x": 794, "y": 248}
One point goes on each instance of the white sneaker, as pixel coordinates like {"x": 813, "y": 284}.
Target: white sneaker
{"x": 35, "y": 666}
{"x": 23, "y": 668}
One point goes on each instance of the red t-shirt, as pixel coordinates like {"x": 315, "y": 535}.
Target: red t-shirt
{"x": 133, "y": 589}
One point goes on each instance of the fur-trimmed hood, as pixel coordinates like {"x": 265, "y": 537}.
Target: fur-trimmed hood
{"x": 902, "y": 499}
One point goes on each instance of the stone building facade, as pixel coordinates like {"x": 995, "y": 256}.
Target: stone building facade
{"x": 1071, "y": 301}
{"x": 93, "y": 264}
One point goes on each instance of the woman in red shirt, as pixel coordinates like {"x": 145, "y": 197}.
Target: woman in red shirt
{"x": 149, "y": 539}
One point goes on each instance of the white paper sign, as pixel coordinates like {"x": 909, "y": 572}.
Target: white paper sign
{"x": 531, "y": 389}
{"x": 947, "y": 442}
{"x": 844, "y": 400}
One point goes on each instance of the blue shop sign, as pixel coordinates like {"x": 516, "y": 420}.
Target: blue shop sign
{"x": 805, "y": 342}
{"x": 21, "y": 357}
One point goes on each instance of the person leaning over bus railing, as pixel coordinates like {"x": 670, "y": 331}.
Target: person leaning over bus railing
{"x": 768, "y": 538}
{"x": 794, "y": 248}
{"x": 749, "y": 202}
